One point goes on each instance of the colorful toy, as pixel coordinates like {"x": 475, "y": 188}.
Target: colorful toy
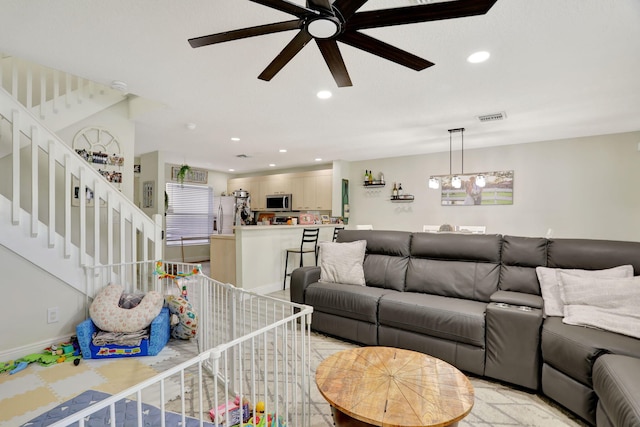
{"x": 163, "y": 274}
{"x": 219, "y": 414}
{"x": 271, "y": 420}
{"x": 7, "y": 366}
{"x": 185, "y": 325}
{"x": 19, "y": 367}
{"x": 65, "y": 352}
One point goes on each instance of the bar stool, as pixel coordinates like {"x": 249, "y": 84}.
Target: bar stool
{"x": 335, "y": 236}
{"x": 335, "y": 232}
{"x": 309, "y": 238}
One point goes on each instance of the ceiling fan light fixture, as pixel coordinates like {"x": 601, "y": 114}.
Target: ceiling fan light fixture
{"x": 324, "y": 27}
{"x": 324, "y": 94}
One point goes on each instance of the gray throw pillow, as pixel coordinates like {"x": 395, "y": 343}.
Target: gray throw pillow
{"x": 608, "y": 304}
{"x": 549, "y": 279}
{"x": 342, "y": 262}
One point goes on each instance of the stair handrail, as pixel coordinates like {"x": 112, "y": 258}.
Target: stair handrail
{"x": 74, "y": 166}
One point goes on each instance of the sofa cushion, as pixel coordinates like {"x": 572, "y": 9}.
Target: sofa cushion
{"x": 353, "y": 302}
{"x": 609, "y": 304}
{"x": 592, "y": 254}
{"x": 454, "y": 319}
{"x": 386, "y": 258}
{"x": 616, "y": 381}
{"x": 573, "y": 349}
{"x": 459, "y": 279}
{"x": 342, "y": 262}
{"x": 454, "y": 265}
{"x": 520, "y": 257}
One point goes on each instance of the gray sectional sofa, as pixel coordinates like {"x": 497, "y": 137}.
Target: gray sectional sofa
{"x": 475, "y": 302}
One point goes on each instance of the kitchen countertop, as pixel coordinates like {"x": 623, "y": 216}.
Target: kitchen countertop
{"x": 277, "y": 227}
{"x": 222, "y": 236}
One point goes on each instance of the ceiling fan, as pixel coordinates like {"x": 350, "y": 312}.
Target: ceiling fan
{"x": 327, "y": 23}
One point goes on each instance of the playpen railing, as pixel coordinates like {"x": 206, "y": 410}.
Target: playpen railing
{"x": 251, "y": 345}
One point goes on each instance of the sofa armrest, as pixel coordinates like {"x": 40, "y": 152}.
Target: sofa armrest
{"x": 300, "y": 279}
{"x": 517, "y": 298}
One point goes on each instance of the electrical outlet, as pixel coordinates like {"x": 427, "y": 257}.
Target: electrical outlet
{"x": 52, "y": 315}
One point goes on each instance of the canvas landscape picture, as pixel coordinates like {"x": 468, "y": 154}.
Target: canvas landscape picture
{"x": 497, "y": 189}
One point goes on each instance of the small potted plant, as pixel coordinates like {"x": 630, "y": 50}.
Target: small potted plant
{"x": 182, "y": 173}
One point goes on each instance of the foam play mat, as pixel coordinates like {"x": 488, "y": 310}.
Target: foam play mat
{"x": 126, "y": 413}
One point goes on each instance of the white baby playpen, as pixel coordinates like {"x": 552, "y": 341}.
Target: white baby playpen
{"x": 251, "y": 346}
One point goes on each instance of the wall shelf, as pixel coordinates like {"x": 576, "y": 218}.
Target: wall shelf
{"x": 374, "y": 184}
{"x": 407, "y": 198}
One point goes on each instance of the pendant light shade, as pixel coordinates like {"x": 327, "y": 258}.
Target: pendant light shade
{"x": 435, "y": 181}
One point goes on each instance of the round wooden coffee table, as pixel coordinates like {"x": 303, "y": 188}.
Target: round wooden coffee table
{"x": 390, "y": 387}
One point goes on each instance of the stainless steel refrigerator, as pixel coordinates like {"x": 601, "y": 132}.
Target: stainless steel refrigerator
{"x": 224, "y": 208}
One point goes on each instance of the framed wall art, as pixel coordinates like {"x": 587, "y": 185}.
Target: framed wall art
{"x": 483, "y": 188}
{"x": 199, "y": 176}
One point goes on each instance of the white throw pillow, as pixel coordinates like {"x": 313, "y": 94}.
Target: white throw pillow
{"x": 609, "y": 304}
{"x": 549, "y": 283}
{"x": 342, "y": 262}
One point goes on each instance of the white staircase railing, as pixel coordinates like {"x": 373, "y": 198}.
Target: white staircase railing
{"x": 38, "y": 175}
{"x": 57, "y": 98}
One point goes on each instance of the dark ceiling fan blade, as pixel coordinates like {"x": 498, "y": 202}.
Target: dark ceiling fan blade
{"x": 348, "y": 7}
{"x": 420, "y": 13}
{"x": 287, "y": 7}
{"x": 384, "y": 50}
{"x": 283, "y": 58}
{"x": 244, "y": 33}
{"x": 333, "y": 58}
{"x": 320, "y": 4}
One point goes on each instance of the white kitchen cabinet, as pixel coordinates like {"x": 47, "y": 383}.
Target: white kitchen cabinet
{"x": 310, "y": 190}
{"x": 253, "y": 186}
{"x": 276, "y": 184}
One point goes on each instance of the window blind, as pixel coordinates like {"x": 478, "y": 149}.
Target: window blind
{"x": 190, "y": 214}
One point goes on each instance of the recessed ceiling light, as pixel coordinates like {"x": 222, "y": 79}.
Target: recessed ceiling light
{"x": 318, "y": 159}
{"x": 232, "y": 170}
{"x": 283, "y": 150}
{"x": 191, "y": 126}
{"x": 324, "y": 94}
{"x": 235, "y": 139}
{"x": 477, "y": 57}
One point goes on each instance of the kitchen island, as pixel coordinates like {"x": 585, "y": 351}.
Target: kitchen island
{"x": 260, "y": 252}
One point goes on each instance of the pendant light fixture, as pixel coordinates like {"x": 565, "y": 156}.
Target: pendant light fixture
{"x": 456, "y": 180}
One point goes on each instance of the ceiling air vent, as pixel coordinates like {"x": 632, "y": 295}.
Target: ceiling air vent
{"x": 493, "y": 117}
{"x": 242, "y": 156}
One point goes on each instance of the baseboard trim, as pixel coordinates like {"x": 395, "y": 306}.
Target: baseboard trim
{"x": 38, "y": 347}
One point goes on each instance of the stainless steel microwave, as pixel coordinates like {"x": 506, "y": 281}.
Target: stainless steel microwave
{"x": 278, "y": 202}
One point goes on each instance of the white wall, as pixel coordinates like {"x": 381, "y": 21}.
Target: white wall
{"x": 116, "y": 120}
{"x": 29, "y": 291}
{"x": 581, "y": 187}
